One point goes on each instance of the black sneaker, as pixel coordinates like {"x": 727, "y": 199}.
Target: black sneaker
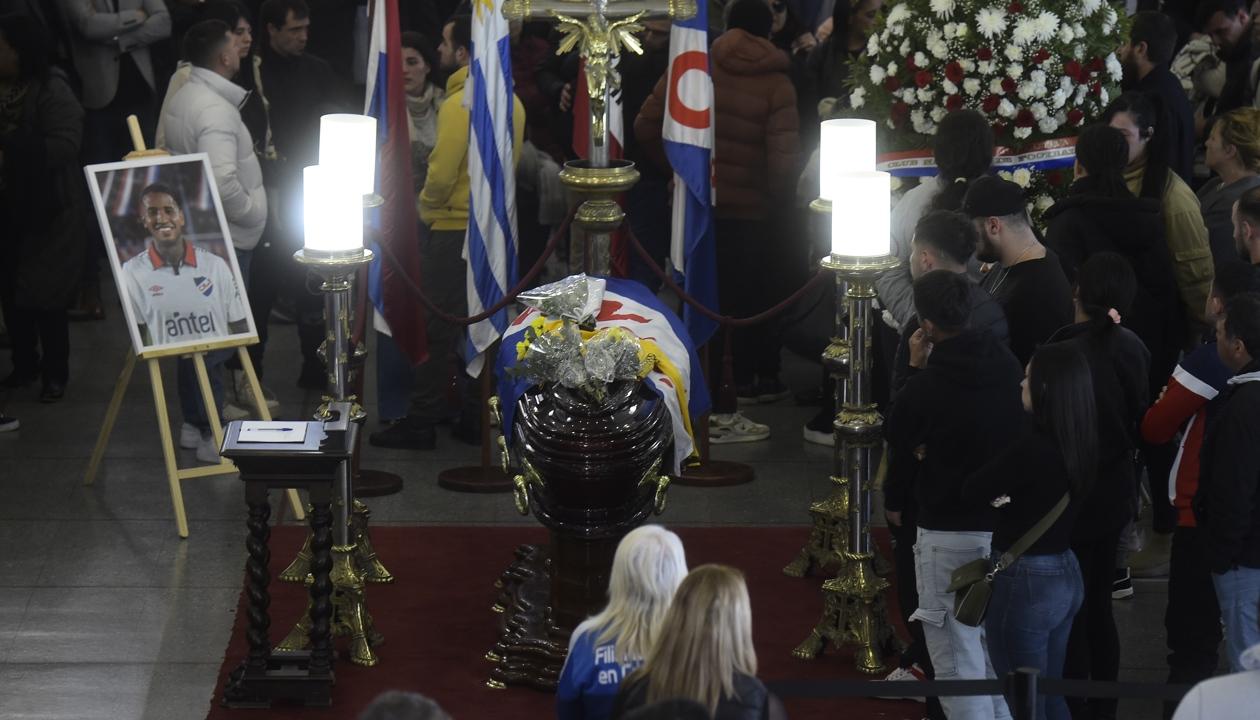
{"x": 406, "y": 435}
{"x": 1122, "y": 586}
{"x": 52, "y": 392}
{"x": 8, "y": 424}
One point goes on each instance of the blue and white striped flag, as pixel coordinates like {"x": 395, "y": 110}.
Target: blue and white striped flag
{"x": 491, "y": 246}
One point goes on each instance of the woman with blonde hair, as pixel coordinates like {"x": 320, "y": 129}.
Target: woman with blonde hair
{"x": 647, "y": 568}
{"x": 1233, "y": 153}
{"x": 704, "y": 652}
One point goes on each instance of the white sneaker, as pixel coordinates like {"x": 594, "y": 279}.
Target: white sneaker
{"x": 208, "y": 450}
{"x": 735, "y": 428}
{"x": 232, "y": 411}
{"x": 189, "y": 437}
{"x": 8, "y": 424}
{"x": 912, "y": 673}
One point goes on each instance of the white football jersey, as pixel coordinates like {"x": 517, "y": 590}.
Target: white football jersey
{"x": 192, "y": 301}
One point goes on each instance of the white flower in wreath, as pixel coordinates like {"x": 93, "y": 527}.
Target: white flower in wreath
{"x": 991, "y": 21}
{"x": 1025, "y": 32}
{"x": 904, "y": 49}
{"x": 1015, "y": 71}
{"x": 1043, "y": 203}
{"x": 1078, "y": 52}
{"x": 1005, "y": 175}
{"x": 899, "y": 13}
{"x": 1048, "y": 125}
{"x": 1021, "y": 177}
{"x": 1080, "y": 95}
{"x": 1066, "y": 34}
{"x": 1038, "y": 77}
{"x": 1109, "y": 20}
{"x": 948, "y": 87}
{"x": 1014, "y": 52}
{"x": 1021, "y": 133}
{"x": 857, "y": 98}
{"x": 1039, "y": 111}
{"x": 985, "y": 67}
{"x": 892, "y": 125}
{"x": 1059, "y": 98}
{"x": 1060, "y": 117}
{"x": 1103, "y": 97}
{"x": 968, "y": 65}
{"x": 950, "y": 29}
{"x": 909, "y": 97}
{"x": 892, "y": 67}
{"x": 1089, "y": 7}
{"x": 1006, "y": 108}
{"x": 938, "y": 113}
{"x": 896, "y": 29}
{"x": 1079, "y": 29}
{"x": 1027, "y": 90}
{"x": 971, "y": 86}
{"x": 920, "y": 60}
{"x": 995, "y": 86}
{"x": 939, "y": 49}
{"x": 961, "y": 31}
{"x": 1114, "y": 69}
{"x": 944, "y": 9}
{"x": 877, "y": 74}
{"x": 926, "y": 94}
{"x": 1046, "y": 24}
{"x": 872, "y": 46}
{"x": 1065, "y": 84}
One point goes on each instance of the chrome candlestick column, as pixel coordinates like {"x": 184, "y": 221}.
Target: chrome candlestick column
{"x": 854, "y": 607}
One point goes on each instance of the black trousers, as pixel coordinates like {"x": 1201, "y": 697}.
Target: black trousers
{"x": 1193, "y": 617}
{"x": 444, "y": 280}
{"x": 916, "y": 652}
{"x": 41, "y": 341}
{"x": 747, "y": 281}
{"x": 1093, "y": 650}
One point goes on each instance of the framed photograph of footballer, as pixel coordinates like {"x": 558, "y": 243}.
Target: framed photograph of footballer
{"x": 169, "y": 246}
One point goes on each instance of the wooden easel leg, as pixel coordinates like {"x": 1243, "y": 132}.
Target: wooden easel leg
{"x": 111, "y": 415}
{"x": 168, "y": 448}
{"x": 295, "y": 501}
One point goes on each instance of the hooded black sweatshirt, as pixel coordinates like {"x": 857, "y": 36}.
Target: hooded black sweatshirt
{"x": 1085, "y": 224}
{"x": 947, "y": 422}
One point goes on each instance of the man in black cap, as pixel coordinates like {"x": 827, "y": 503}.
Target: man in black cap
{"x": 1025, "y": 278}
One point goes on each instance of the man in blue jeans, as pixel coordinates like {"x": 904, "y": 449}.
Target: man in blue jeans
{"x": 1227, "y": 505}
{"x": 960, "y": 405}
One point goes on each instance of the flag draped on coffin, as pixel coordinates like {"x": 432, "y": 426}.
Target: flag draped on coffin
{"x": 629, "y": 305}
{"x": 491, "y": 246}
{"x": 620, "y": 250}
{"x": 688, "y": 135}
{"x": 397, "y": 263}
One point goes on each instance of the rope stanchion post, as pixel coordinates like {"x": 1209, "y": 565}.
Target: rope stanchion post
{"x": 1021, "y": 694}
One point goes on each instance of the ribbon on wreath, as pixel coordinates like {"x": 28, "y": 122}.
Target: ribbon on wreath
{"x": 1038, "y": 157}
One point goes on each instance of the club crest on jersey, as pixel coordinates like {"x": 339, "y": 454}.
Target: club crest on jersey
{"x": 156, "y": 290}
{"x": 204, "y": 285}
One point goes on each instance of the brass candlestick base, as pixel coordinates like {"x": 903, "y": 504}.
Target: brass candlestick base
{"x": 829, "y": 534}
{"x": 366, "y": 562}
{"x": 350, "y": 616}
{"x": 854, "y": 613}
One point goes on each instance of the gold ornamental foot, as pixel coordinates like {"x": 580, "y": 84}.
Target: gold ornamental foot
{"x": 866, "y": 624}
{"x": 374, "y": 571}
{"x": 800, "y": 565}
{"x": 350, "y": 616}
{"x": 300, "y": 569}
{"x": 299, "y": 638}
{"x": 810, "y": 647}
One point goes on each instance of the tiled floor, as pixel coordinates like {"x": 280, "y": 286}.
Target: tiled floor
{"x": 106, "y": 613}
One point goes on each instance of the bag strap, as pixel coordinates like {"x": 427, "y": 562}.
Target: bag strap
{"x": 1033, "y": 535}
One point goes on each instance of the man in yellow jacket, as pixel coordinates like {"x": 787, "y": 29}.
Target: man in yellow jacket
{"x": 443, "y": 208}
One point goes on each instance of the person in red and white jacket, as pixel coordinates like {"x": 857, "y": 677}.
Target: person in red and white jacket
{"x": 1192, "y": 618}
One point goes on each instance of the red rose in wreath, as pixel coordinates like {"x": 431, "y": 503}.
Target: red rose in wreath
{"x": 923, "y": 78}
{"x": 1075, "y": 116}
{"x": 1008, "y": 85}
{"x": 891, "y": 83}
{"x": 984, "y": 53}
{"x": 954, "y": 72}
{"x": 990, "y": 103}
{"x": 953, "y": 102}
{"x": 1024, "y": 118}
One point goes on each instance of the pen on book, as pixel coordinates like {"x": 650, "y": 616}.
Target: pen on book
{"x": 269, "y": 429}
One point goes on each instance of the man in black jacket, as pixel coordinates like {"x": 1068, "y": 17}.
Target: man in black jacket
{"x": 1229, "y": 24}
{"x": 1145, "y": 58}
{"x": 1227, "y": 505}
{"x": 959, "y": 407}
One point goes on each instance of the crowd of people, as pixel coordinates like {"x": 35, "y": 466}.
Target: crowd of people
{"x": 1043, "y": 381}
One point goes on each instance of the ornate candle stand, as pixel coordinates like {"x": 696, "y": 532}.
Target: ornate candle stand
{"x": 854, "y": 610}
{"x": 354, "y": 559}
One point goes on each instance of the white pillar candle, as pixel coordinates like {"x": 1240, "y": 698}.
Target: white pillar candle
{"x": 332, "y": 212}
{"x": 846, "y": 146}
{"x": 860, "y": 214}
{"x": 347, "y": 143}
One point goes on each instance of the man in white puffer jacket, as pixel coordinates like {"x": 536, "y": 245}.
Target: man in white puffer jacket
{"x": 204, "y": 116}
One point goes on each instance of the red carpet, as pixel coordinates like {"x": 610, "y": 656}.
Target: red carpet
{"x": 438, "y": 625}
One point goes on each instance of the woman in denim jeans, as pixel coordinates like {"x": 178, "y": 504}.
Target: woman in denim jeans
{"x": 1035, "y": 599}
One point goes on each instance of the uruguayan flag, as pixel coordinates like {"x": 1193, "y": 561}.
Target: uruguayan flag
{"x": 491, "y": 246}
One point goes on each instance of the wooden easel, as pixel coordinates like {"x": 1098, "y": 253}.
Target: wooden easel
{"x": 174, "y": 473}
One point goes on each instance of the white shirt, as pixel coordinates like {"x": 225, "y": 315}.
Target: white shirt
{"x": 195, "y": 300}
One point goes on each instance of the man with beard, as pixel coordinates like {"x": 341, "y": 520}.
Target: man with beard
{"x": 1145, "y": 57}
{"x": 1027, "y": 280}
{"x": 1228, "y": 22}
